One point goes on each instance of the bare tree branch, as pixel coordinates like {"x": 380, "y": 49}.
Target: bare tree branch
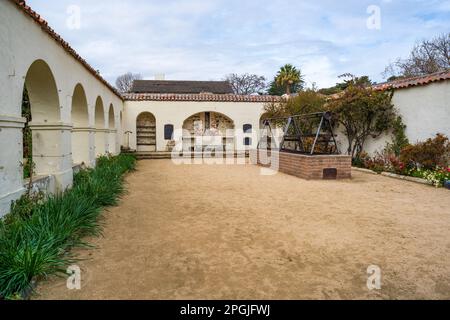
{"x": 124, "y": 83}
{"x": 427, "y": 57}
{"x": 246, "y": 84}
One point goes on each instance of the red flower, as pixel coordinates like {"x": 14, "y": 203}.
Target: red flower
{"x": 448, "y": 169}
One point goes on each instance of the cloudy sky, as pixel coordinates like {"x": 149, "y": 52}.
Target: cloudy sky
{"x": 207, "y": 39}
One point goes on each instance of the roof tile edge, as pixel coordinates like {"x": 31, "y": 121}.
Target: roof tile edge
{"x": 200, "y": 97}
{"x": 414, "y": 81}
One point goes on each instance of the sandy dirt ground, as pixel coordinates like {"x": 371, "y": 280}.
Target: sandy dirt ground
{"x": 227, "y": 232}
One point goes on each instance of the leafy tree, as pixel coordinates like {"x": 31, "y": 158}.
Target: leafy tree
{"x": 308, "y": 101}
{"x": 246, "y": 84}
{"x": 276, "y": 90}
{"x": 428, "y": 56}
{"x": 348, "y": 80}
{"x": 363, "y": 113}
{"x": 124, "y": 83}
{"x": 289, "y": 78}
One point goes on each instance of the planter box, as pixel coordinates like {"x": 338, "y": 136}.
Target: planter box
{"x": 316, "y": 167}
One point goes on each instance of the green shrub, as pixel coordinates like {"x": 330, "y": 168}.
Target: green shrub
{"x": 35, "y": 237}
{"x": 24, "y": 208}
{"x": 428, "y": 155}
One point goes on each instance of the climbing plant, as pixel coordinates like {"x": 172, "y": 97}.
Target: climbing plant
{"x": 28, "y": 165}
{"x": 399, "y": 138}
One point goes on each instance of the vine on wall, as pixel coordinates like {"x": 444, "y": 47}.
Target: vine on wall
{"x": 28, "y": 165}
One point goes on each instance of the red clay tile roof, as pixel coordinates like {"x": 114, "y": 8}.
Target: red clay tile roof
{"x": 21, "y": 4}
{"x": 199, "y": 97}
{"x": 413, "y": 82}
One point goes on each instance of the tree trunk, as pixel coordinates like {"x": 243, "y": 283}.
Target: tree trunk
{"x": 288, "y": 90}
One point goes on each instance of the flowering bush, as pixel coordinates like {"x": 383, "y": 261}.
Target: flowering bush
{"x": 437, "y": 177}
{"x": 385, "y": 162}
{"x": 429, "y": 154}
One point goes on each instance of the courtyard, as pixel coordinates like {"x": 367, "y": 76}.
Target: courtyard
{"x": 228, "y": 232}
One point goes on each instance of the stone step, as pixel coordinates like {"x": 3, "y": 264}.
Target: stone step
{"x": 168, "y": 155}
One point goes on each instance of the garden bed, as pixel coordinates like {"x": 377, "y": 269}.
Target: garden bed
{"x": 395, "y": 176}
{"x": 38, "y": 234}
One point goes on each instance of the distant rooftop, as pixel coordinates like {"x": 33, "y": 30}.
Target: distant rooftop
{"x": 181, "y": 87}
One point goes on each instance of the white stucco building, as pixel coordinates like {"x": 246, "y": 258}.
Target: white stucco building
{"x": 201, "y": 109}
{"x": 77, "y": 115}
{"x": 423, "y": 103}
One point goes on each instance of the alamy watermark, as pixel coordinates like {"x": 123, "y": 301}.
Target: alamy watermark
{"x": 374, "y": 19}
{"x": 374, "y": 279}
{"x": 73, "y": 21}
{"x": 74, "y": 279}
{"x": 232, "y": 148}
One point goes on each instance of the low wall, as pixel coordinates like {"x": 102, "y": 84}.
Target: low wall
{"x": 304, "y": 166}
{"x": 44, "y": 184}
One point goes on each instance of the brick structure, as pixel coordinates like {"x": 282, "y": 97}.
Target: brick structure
{"x": 307, "y": 167}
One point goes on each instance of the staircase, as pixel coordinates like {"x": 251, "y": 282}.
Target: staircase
{"x": 153, "y": 155}
{"x": 168, "y": 155}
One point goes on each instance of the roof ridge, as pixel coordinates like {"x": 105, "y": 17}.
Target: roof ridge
{"x": 21, "y": 4}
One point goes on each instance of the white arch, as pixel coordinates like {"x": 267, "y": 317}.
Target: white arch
{"x": 43, "y": 93}
{"x": 81, "y": 129}
{"x": 112, "y": 126}
{"x": 100, "y": 128}
{"x": 146, "y": 139}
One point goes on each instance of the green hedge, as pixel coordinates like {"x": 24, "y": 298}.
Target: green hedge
{"x": 35, "y": 238}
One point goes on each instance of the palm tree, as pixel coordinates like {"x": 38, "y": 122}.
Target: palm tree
{"x": 288, "y": 77}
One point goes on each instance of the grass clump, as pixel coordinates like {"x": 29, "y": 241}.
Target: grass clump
{"x": 35, "y": 238}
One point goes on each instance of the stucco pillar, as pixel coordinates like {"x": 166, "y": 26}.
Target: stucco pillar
{"x": 52, "y": 152}
{"x": 118, "y": 141}
{"x": 11, "y": 158}
{"x": 100, "y": 142}
{"x": 83, "y": 149}
{"x": 112, "y": 145}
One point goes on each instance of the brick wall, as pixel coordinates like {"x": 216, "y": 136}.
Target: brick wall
{"x": 304, "y": 166}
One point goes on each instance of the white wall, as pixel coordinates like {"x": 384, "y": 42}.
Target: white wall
{"x": 176, "y": 112}
{"x": 22, "y": 42}
{"x": 425, "y": 111}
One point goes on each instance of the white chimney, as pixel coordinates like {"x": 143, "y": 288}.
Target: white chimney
{"x": 160, "y": 77}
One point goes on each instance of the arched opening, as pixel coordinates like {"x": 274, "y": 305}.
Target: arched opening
{"x": 100, "y": 130}
{"x": 80, "y": 122}
{"x": 120, "y": 133}
{"x": 112, "y": 130}
{"x": 146, "y": 132}
{"x": 208, "y": 129}
{"x": 43, "y": 93}
{"x": 41, "y": 108}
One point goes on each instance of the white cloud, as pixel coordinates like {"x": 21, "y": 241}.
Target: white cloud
{"x": 207, "y": 39}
